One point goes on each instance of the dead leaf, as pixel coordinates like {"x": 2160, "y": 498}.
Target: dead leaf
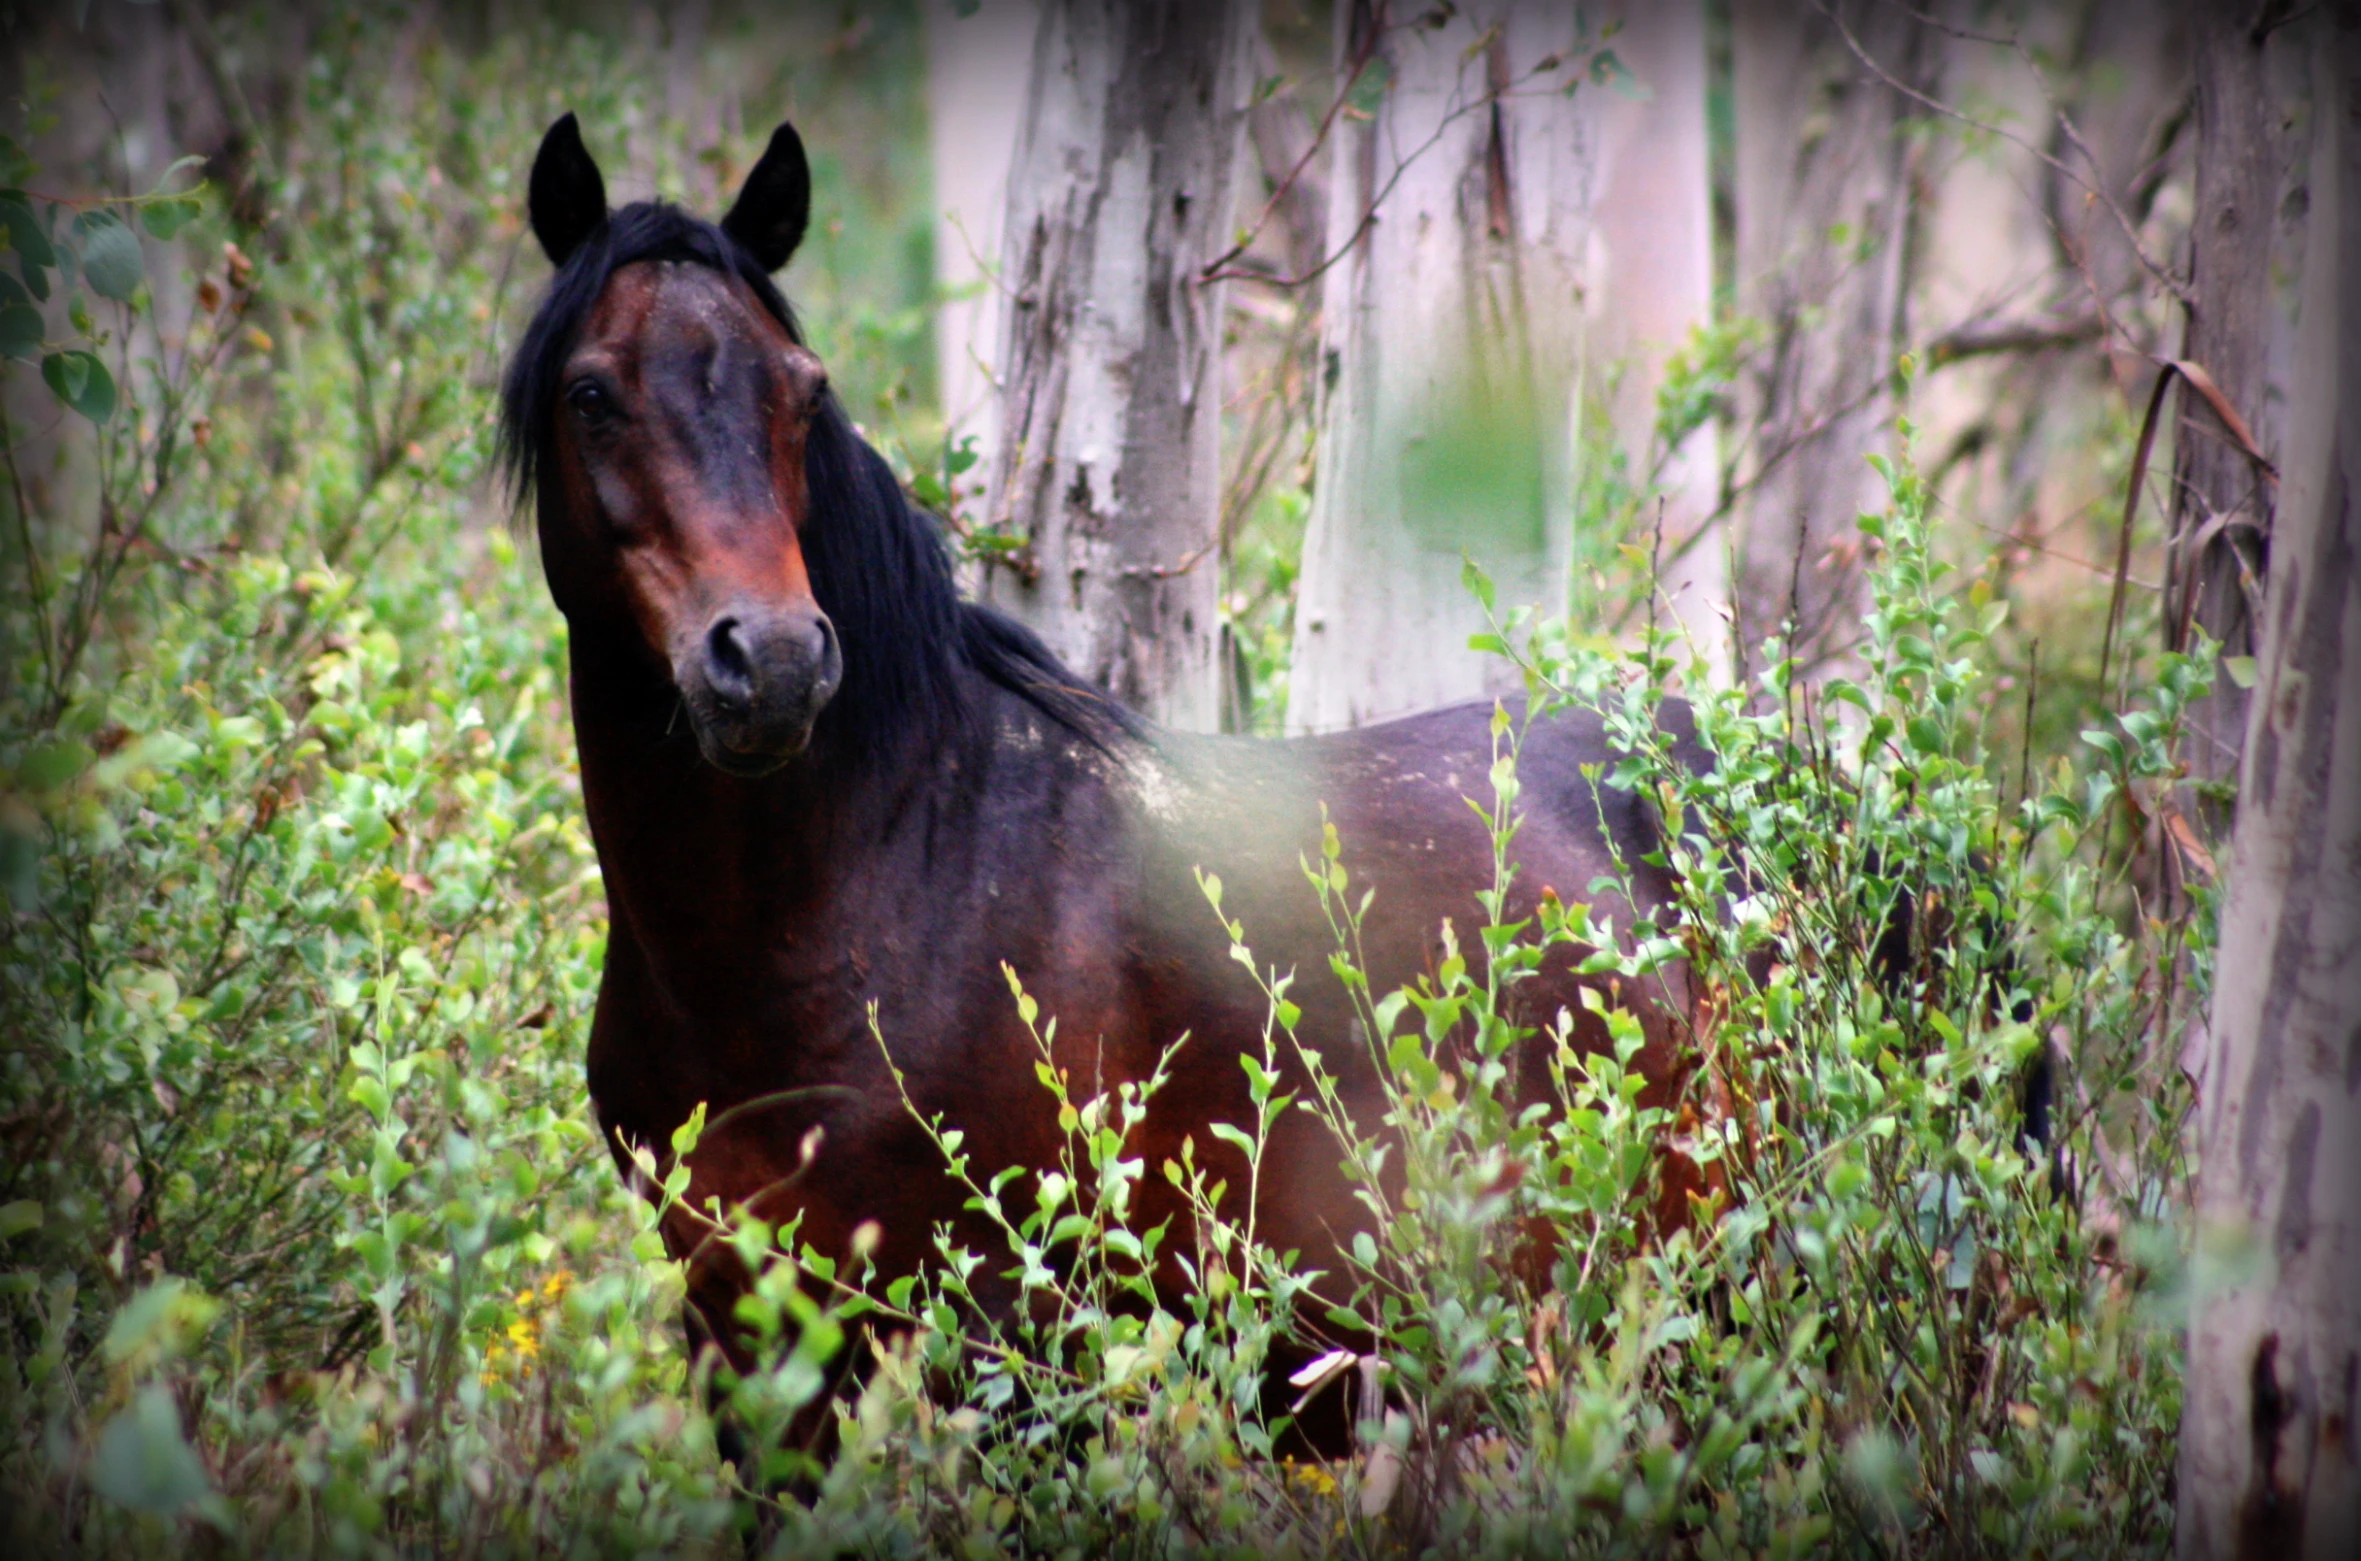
{"x": 2185, "y": 837}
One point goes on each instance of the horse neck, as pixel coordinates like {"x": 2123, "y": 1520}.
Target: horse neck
{"x": 680, "y": 844}
{"x": 716, "y": 859}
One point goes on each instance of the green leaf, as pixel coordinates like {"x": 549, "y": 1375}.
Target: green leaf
{"x": 111, "y": 258}
{"x": 144, "y": 1462}
{"x": 25, "y": 235}
{"x": 166, "y": 218}
{"x": 1473, "y": 579}
{"x": 685, "y": 1136}
{"x": 1369, "y": 87}
{"x": 68, "y": 373}
{"x": 158, "y": 1324}
{"x": 20, "y": 331}
{"x": 18, "y": 1217}
{"x": 34, "y": 256}
{"x": 81, "y": 382}
{"x": 53, "y": 765}
{"x": 2241, "y": 670}
{"x": 1608, "y": 70}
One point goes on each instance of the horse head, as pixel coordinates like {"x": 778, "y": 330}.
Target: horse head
{"x": 662, "y": 418}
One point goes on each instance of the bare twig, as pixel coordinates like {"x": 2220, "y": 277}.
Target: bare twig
{"x": 1216, "y": 268}
{"x": 1220, "y": 271}
{"x": 1978, "y": 341}
{"x": 1166, "y": 571}
{"x": 2194, "y": 376}
{"x": 2131, "y": 509}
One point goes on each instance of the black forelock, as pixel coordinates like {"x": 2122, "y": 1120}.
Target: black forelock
{"x": 879, "y": 566}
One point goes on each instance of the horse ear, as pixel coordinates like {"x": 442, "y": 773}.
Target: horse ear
{"x": 775, "y": 203}
{"x": 567, "y": 198}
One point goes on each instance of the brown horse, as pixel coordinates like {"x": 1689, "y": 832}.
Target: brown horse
{"x": 819, "y": 782}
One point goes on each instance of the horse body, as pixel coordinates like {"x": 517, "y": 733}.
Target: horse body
{"x": 823, "y": 787}
{"x": 756, "y": 921}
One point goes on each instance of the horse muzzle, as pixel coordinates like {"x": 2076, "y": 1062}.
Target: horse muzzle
{"x": 755, "y": 682}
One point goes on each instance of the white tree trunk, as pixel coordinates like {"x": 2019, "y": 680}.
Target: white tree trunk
{"x": 1824, "y": 252}
{"x": 1122, "y": 189}
{"x": 1451, "y": 337}
{"x": 2245, "y": 238}
{"x": 976, "y": 68}
{"x": 2271, "y": 1428}
{"x": 1654, "y": 209}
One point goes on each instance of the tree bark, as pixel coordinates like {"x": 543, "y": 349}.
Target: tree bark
{"x": 2272, "y": 1416}
{"x": 1825, "y": 250}
{"x": 1655, "y": 224}
{"x": 975, "y": 68}
{"x": 1110, "y": 476}
{"x": 2247, "y": 235}
{"x": 1451, "y": 338}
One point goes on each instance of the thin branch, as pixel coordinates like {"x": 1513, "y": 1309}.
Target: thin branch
{"x": 1165, "y": 571}
{"x": 1487, "y": 99}
{"x": 1965, "y": 34}
{"x": 1979, "y": 341}
{"x": 1215, "y": 268}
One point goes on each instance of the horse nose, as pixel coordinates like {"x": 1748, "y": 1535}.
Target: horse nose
{"x": 757, "y": 678}
{"x": 729, "y": 669}
{"x": 758, "y": 657}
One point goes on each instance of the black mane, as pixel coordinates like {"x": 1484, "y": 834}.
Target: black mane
{"x": 879, "y": 566}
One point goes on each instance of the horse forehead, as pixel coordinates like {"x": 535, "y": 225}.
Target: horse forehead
{"x": 677, "y": 304}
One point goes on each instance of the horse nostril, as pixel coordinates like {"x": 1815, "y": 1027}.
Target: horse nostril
{"x": 727, "y": 668}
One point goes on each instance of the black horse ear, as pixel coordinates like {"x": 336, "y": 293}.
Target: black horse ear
{"x": 776, "y": 202}
{"x": 567, "y": 198}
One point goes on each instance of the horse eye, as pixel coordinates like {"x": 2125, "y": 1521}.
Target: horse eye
{"x": 590, "y": 400}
